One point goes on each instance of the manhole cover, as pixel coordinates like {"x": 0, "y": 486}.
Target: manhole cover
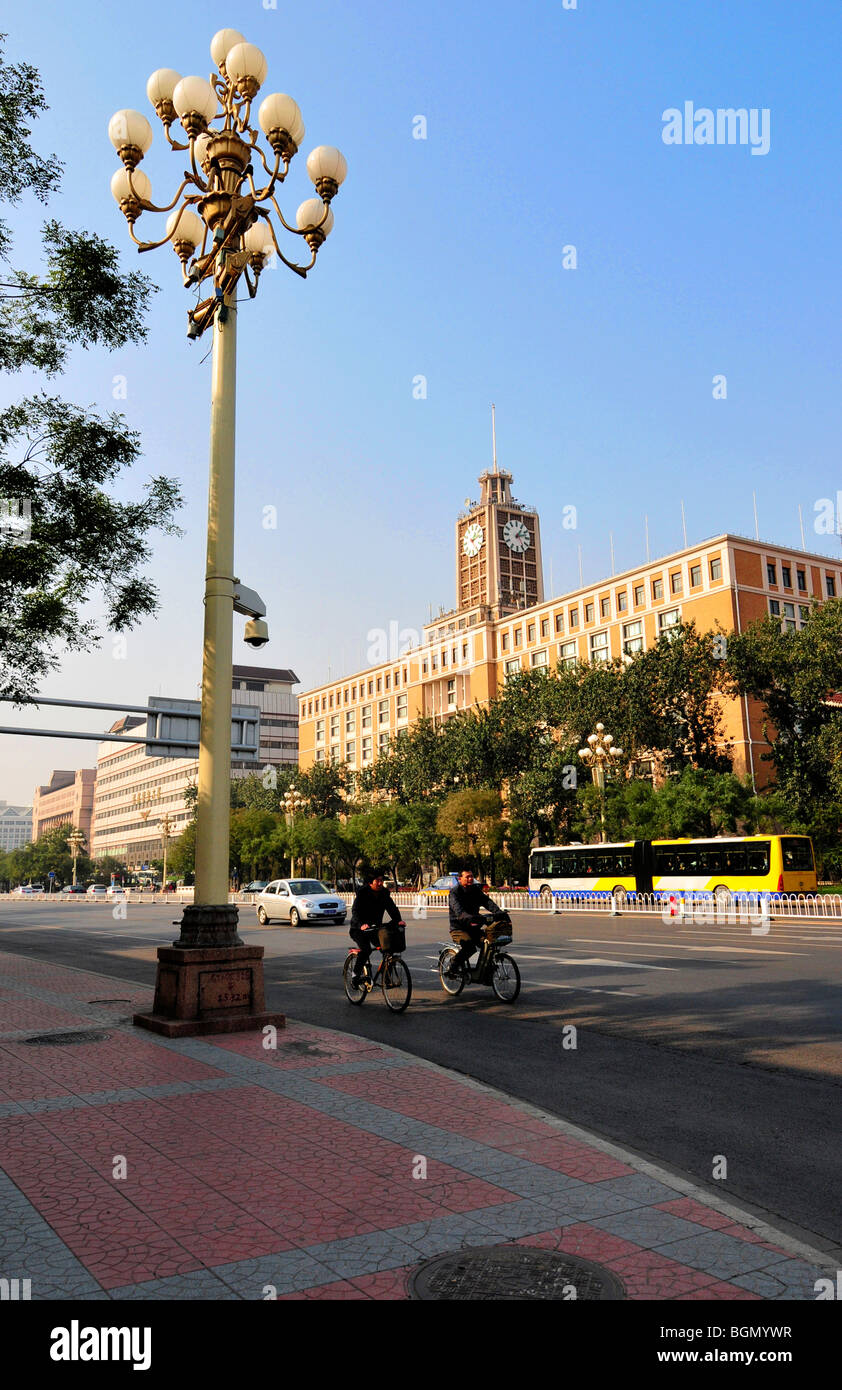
{"x": 513, "y": 1273}
{"x": 305, "y": 1049}
{"x": 64, "y": 1039}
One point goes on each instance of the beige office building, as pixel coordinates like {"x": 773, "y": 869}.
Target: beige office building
{"x": 67, "y": 799}
{"x": 503, "y": 624}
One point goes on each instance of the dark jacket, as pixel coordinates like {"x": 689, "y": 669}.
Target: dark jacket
{"x": 369, "y": 907}
{"x": 464, "y": 905}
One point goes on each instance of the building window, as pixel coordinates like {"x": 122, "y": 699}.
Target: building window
{"x": 383, "y": 744}
{"x": 350, "y": 721}
{"x": 786, "y": 576}
{"x": 504, "y": 642}
{"x": 599, "y": 646}
{"x": 801, "y": 576}
{"x": 383, "y": 712}
{"x": 367, "y": 750}
{"x": 574, "y": 617}
{"x": 320, "y": 731}
{"x": 334, "y": 752}
{"x": 804, "y": 613}
{"x": 465, "y": 650}
{"x": 716, "y": 569}
{"x": 639, "y": 595}
{"x": 351, "y": 753}
{"x": 402, "y": 709}
{"x": 559, "y": 622}
{"x": 589, "y": 611}
{"x": 320, "y": 755}
{"x": 371, "y": 687}
{"x": 633, "y": 637}
{"x": 695, "y": 576}
{"x": 423, "y": 668}
{"x": 774, "y": 608}
{"x": 831, "y": 585}
{"x": 444, "y": 660}
{"x": 366, "y": 720}
{"x": 540, "y": 658}
{"x": 518, "y": 636}
{"x": 451, "y": 694}
{"x": 434, "y": 661}
{"x": 676, "y": 586}
{"x": 388, "y": 680}
{"x": 789, "y": 624}
{"x": 354, "y": 692}
{"x": 657, "y": 588}
{"x": 530, "y": 633}
{"x": 667, "y": 621}
{"x": 334, "y": 727}
{"x": 605, "y": 607}
{"x": 622, "y": 601}
{"x": 771, "y": 573}
{"x": 545, "y": 627}
{"x": 512, "y": 667}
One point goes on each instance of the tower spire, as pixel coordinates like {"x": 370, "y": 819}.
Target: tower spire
{"x": 493, "y": 437}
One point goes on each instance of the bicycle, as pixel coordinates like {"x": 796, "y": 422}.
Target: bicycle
{"x": 392, "y": 974}
{"x": 494, "y": 967}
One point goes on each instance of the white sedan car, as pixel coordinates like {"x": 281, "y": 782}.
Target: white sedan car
{"x": 98, "y": 892}
{"x": 297, "y": 900}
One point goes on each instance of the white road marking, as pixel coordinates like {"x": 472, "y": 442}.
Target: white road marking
{"x": 596, "y": 960}
{"x": 684, "y": 946}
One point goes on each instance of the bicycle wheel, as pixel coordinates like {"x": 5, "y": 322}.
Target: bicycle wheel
{"x": 356, "y": 993}
{"x": 505, "y": 981}
{"x": 451, "y": 984}
{"x": 396, "y": 983}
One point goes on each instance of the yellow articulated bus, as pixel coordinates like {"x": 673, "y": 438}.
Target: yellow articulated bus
{"x": 722, "y": 868}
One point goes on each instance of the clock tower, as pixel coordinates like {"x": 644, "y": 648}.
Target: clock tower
{"x": 498, "y": 549}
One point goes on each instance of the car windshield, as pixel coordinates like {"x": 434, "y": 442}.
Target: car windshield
{"x": 299, "y": 886}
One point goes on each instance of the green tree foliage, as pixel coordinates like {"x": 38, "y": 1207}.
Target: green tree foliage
{"x": 471, "y": 821}
{"x": 58, "y": 460}
{"x": 33, "y": 862}
{"x": 793, "y": 674}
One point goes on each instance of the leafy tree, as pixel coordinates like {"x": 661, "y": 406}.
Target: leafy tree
{"x": 322, "y": 788}
{"x": 58, "y": 461}
{"x": 471, "y": 820}
{"x": 181, "y": 860}
{"x": 793, "y": 674}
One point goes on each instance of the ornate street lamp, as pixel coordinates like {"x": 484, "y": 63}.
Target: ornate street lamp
{"x": 292, "y": 802}
{"x": 222, "y": 227}
{"x": 597, "y": 756}
{"x": 76, "y": 840}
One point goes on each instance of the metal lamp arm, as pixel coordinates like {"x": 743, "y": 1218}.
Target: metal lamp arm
{"x": 151, "y": 207}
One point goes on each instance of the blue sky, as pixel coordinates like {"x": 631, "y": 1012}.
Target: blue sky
{"x": 543, "y": 131}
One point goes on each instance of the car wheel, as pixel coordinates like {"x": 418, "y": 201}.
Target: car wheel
{"x": 294, "y": 918}
{"x": 261, "y": 916}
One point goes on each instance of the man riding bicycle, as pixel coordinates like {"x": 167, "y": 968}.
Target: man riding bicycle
{"x": 464, "y": 902}
{"x": 373, "y": 899}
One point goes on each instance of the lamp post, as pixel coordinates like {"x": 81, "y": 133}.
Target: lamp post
{"x": 220, "y": 225}
{"x": 292, "y": 802}
{"x": 597, "y": 756}
{"x": 75, "y": 840}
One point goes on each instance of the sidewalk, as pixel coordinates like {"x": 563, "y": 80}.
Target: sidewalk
{"x": 136, "y": 1167}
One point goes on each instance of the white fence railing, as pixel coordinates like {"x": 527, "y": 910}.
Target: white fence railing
{"x": 687, "y": 907}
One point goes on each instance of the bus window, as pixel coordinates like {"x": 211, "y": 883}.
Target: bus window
{"x": 735, "y": 859}
{"x": 758, "y": 858}
{"x": 797, "y": 854}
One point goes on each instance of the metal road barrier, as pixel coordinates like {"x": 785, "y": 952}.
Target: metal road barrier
{"x": 698, "y": 907}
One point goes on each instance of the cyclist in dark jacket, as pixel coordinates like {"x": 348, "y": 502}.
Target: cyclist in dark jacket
{"x": 464, "y": 903}
{"x": 373, "y": 899}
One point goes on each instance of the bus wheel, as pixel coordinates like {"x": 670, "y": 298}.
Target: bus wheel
{"x": 619, "y": 895}
{"x": 722, "y": 895}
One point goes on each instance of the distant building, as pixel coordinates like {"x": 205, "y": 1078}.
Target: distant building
{"x": 15, "y": 826}
{"x": 135, "y": 792}
{"x": 67, "y": 799}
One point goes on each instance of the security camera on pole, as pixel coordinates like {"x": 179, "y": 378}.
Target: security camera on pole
{"x": 220, "y": 225}
{"x": 597, "y": 756}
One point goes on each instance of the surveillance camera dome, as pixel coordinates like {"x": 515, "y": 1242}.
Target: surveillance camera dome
{"x": 256, "y": 633}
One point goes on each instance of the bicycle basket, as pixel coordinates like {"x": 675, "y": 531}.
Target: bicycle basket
{"x": 393, "y": 939}
{"x": 500, "y": 932}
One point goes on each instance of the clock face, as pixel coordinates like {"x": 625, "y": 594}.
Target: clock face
{"x": 516, "y": 536}
{"x": 473, "y": 539}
